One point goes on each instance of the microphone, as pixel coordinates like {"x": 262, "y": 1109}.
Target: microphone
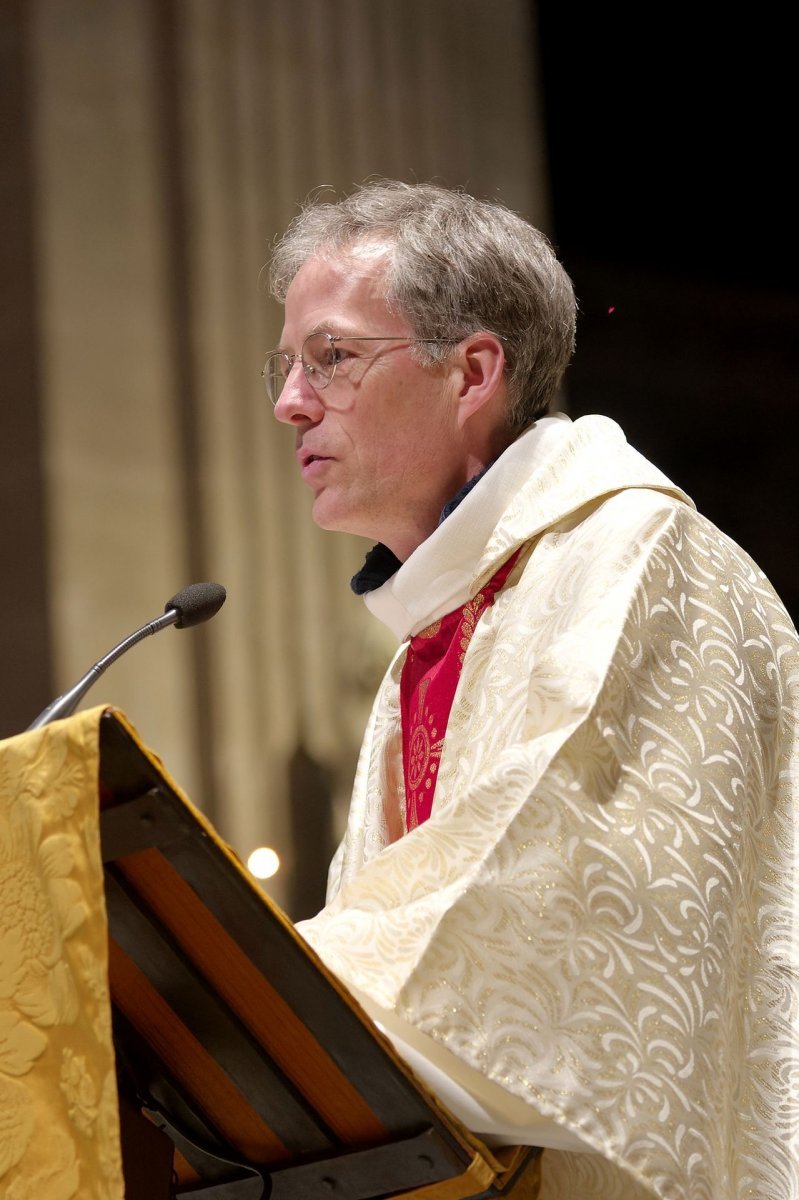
{"x": 195, "y": 604}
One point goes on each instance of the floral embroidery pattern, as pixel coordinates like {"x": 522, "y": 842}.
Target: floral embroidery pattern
{"x": 471, "y": 615}
{"x": 56, "y": 1054}
{"x": 79, "y": 1090}
{"x": 601, "y": 917}
{"x": 423, "y": 757}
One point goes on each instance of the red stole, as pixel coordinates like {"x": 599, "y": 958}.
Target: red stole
{"x": 430, "y": 675}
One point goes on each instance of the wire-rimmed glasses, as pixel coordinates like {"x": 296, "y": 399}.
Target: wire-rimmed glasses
{"x": 319, "y": 357}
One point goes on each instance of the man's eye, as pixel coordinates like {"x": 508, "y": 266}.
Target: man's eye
{"x": 325, "y": 357}
{"x": 340, "y": 353}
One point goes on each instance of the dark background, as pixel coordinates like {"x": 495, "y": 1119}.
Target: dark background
{"x": 672, "y": 206}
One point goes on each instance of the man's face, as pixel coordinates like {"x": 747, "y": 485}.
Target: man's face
{"x": 379, "y": 447}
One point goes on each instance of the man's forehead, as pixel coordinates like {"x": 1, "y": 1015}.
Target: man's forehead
{"x": 335, "y": 290}
{"x": 352, "y": 261}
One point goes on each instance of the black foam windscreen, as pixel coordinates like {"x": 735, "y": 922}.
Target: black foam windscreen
{"x": 196, "y": 603}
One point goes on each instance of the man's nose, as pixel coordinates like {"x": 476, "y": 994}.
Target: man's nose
{"x": 298, "y": 401}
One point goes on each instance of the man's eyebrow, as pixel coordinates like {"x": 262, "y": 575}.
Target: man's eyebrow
{"x": 320, "y": 327}
{"x": 333, "y": 327}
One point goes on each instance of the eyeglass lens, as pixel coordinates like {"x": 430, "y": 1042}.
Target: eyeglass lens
{"x": 318, "y": 362}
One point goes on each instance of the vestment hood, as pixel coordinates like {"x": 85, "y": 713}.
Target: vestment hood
{"x": 550, "y": 473}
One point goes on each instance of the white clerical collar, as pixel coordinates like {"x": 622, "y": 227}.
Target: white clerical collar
{"x": 439, "y": 575}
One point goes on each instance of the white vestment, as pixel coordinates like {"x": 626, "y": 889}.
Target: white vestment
{"x": 600, "y": 918}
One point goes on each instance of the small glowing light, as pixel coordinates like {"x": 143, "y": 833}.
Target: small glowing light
{"x": 612, "y": 309}
{"x": 263, "y": 863}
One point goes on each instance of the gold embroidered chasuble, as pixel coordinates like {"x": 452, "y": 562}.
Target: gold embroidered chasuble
{"x": 600, "y": 915}
{"x": 59, "y": 1125}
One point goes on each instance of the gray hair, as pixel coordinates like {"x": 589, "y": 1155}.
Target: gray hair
{"x": 458, "y": 265}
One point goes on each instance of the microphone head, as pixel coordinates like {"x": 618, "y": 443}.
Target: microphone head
{"x": 197, "y": 603}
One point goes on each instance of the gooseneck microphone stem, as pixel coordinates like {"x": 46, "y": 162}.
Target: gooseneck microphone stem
{"x": 194, "y": 604}
{"x": 66, "y": 704}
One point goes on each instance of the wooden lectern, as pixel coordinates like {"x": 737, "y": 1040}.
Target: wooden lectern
{"x": 152, "y": 996}
{"x": 233, "y": 1039}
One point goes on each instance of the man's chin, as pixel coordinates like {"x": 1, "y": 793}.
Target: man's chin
{"x": 332, "y": 517}
{"x": 337, "y": 519}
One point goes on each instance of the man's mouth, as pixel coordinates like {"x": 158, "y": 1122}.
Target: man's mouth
{"x": 311, "y": 463}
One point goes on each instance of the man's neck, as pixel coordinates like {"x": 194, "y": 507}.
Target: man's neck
{"x": 381, "y": 563}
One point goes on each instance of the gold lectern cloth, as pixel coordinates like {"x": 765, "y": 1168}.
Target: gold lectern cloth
{"x": 59, "y": 1123}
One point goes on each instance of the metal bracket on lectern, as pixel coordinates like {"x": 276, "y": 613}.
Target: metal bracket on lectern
{"x": 350, "y": 1175}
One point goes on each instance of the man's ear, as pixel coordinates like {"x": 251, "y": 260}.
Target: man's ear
{"x": 481, "y": 361}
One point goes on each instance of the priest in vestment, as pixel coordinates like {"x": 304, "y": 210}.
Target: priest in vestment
{"x": 568, "y": 884}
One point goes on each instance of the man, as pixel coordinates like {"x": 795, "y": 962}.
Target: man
{"x": 567, "y": 885}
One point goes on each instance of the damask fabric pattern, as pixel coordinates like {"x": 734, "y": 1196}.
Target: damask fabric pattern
{"x": 59, "y": 1125}
{"x": 601, "y": 913}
